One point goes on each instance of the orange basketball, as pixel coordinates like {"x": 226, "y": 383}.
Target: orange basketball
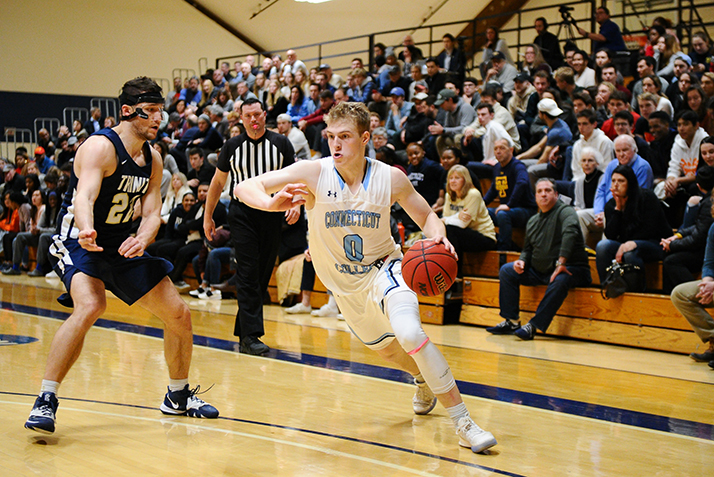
{"x": 428, "y": 268}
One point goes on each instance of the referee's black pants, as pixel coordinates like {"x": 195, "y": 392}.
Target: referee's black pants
{"x": 255, "y": 235}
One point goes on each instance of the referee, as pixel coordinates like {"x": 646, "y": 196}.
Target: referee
{"x": 255, "y": 233}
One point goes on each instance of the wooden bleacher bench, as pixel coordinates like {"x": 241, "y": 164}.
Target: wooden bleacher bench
{"x": 642, "y": 320}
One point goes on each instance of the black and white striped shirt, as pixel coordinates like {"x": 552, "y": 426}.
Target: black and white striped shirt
{"x": 245, "y": 158}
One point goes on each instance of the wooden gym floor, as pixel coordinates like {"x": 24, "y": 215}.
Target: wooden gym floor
{"x": 322, "y": 404}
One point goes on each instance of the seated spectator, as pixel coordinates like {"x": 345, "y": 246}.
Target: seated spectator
{"x": 534, "y": 61}
{"x": 548, "y": 43}
{"x": 626, "y": 154}
{"x": 684, "y": 160}
{"x": 584, "y": 75}
{"x": 553, "y": 255}
{"x": 379, "y": 104}
{"x": 502, "y": 72}
{"x": 692, "y": 299}
{"x": 169, "y": 166}
{"x": 450, "y": 158}
{"x": 275, "y": 103}
{"x": 646, "y": 66}
{"x": 435, "y": 79}
{"x": 470, "y": 93}
{"x": 452, "y": 59}
{"x": 201, "y": 171}
{"x": 481, "y": 148}
{"x": 174, "y": 196}
{"x": 609, "y": 35}
{"x": 696, "y": 100}
{"x": 296, "y": 136}
{"x": 469, "y": 227}
{"x": 411, "y": 55}
{"x": 522, "y": 91}
{"x": 585, "y": 188}
{"x": 47, "y": 228}
{"x": 297, "y": 108}
{"x": 511, "y": 186}
{"x": 30, "y": 236}
{"x": 652, "y": 84}
{"x": 190, "y": 94}
{"x": 313, "y": 124}
{"x": 174, "y": 236}
{"x": 360, "y": 85}
{"x": 592, "y": 137}
{"x": 663, "y": 137}
{"x": 399, "y": 111}
{"x": 207, "y": 265}
{"x": 396, "y": 80}
{"x": 686, "y": 247}
{"x": 647, "y": 105}
{"x": 14, "y": 219}
{"x": 458, "y": 116}
{"x": 666, "y": 51}
{"x": 623, "y": 124}
{"x": 558, "y": 134}
{"x": 616, "y": 103}
{"x": 416, "y": 126}
{"x": 418, "y": 84}
{"x": 425, "y": 176}
{"x": 634, "y": 223}
{"x": 494, "y": 44}
{"x": 565, "y": 81}
{"x": 701, "y": 53}
{"x": 32, "y": 183}
{"x": 609, "y": 73}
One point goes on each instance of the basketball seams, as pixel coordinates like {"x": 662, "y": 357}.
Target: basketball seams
{"x": 435, "y": 260}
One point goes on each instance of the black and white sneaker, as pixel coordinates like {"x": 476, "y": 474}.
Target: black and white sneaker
{"x": 507, "y": 327}
{"x": 185, "y": 402}
{"x": 42, "y": 417}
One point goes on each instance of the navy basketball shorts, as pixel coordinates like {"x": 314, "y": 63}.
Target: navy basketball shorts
{"x": 128, "y": 278}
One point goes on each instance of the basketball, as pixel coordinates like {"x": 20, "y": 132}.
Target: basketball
{"x": 428, "y": 268}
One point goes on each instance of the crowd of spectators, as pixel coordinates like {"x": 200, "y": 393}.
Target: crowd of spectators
{"x": 630, "y": 151}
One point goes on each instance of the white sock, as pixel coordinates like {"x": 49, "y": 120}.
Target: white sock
{"x": 457, "y": 412}
{"x": 419, "y": 379}
{"x": 177, "y": 384}
{"x": 49, "y": 387}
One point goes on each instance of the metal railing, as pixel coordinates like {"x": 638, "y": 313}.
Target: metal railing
{"x": 16, "y": 137}
{"x": 70, "y": 114}
{"x": 108, "y": 106}
{"x": 51, "y": 124}
{"x": 363, "y": 45}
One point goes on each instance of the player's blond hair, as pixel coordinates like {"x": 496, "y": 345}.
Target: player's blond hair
{"x": 354, "y": 112}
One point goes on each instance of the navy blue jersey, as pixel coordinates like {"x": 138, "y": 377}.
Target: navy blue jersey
{"x": 114, "y": 206}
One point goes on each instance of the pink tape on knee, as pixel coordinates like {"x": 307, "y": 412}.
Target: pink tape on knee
{"x": 418, "y": 348}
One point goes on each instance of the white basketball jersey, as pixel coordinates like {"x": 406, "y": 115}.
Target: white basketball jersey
{"x": 350, "y": 232}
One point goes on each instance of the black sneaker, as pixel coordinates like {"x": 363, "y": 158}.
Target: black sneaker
{"x": 185, "y": 402}
{"x": 711, "y": 364}
{"x": 252, "y": 345}
{"x": 42, "y": 416}
{"x": 507, "y": 327}
{"x": 526, "y": 332}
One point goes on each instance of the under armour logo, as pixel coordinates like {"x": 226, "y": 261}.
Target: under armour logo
{"x": 331, "y": 194}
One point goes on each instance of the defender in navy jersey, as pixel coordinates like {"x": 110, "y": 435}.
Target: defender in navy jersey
{"x": 114, "y": 170}
{"x": 348, "y": 199}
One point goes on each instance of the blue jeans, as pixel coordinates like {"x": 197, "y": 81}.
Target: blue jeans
{"x": 509, "y": 292}
{"x": 214, "y": 262}
{"x": 505, "y": 220}
{"x": 646, "y": 251}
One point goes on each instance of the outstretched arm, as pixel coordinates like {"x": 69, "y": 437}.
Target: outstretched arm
{"x": 291, "y": 186}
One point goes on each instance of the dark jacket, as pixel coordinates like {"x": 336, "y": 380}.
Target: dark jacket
{"x": 642, "y": 219}
{"x": 694, "y": 238}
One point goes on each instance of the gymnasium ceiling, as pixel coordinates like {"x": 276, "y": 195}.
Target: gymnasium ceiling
{"x": 276, "y": 25}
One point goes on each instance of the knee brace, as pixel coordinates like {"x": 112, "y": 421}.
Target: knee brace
{"x": 403, "y": 313}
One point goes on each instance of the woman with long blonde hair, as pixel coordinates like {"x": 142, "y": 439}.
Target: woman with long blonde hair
{"x": 468, "y": 225}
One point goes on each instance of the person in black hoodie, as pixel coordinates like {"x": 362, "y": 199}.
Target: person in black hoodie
{"x": 686, "y": 247}
{"x": 634, "y": 224}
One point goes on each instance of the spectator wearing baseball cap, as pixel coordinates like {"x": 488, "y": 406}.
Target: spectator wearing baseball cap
{"x": 559, "y": 134}
{"x": 396, "y": 80}
{"x": 399, "y": 110}
{"x": 43, "y": 162}
{"x": 502, "y": 72}
{"x": 458, "y": 116}
{"x": 522, "y": 91}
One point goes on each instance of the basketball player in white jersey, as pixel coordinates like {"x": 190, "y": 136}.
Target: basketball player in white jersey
{"x": 348, "y": 199}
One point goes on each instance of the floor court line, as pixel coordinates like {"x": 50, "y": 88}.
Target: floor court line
{"x": 654, "y": 422}
{"x": 272, "y": 439}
